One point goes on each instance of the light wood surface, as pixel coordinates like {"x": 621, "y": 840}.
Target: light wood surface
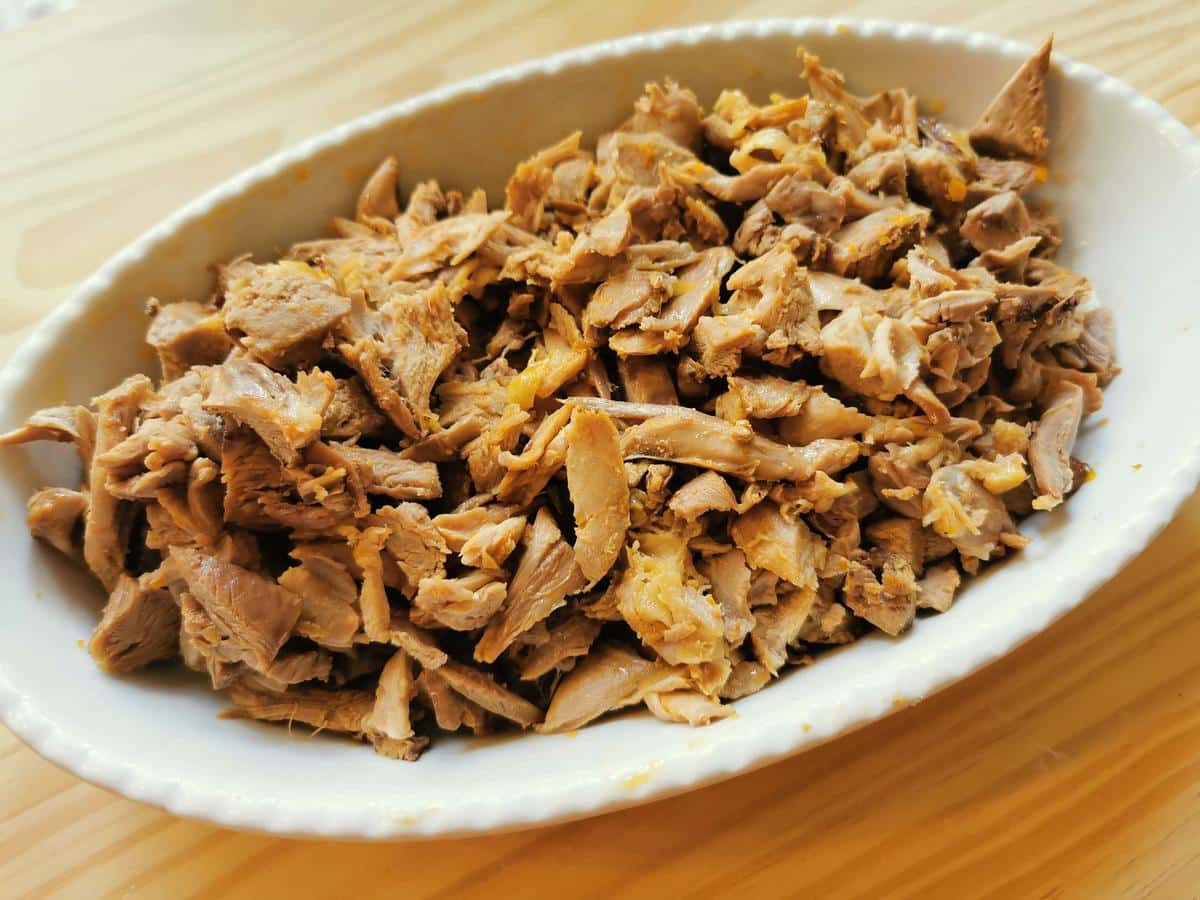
{"x": 1069, "y": 769}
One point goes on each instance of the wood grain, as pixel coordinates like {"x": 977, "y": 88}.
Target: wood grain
{"x": 1069, "y": 769}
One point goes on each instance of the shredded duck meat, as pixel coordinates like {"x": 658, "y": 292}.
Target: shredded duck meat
{"x": 724, "y": 389}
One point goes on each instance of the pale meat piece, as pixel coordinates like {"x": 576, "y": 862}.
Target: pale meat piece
{"x": 244, "y": 605}
{"x": 268, "y": 403}
{"x": 690, "y": 707}
{"x": 390, "y": 474}
{"x": 378, "y": 198}
{"x": 562, "y": 357}
{"x": 445, "y": 242}
{"x": 106, "y": 521}
{"x": 350, "y": 413}
{"x": 667, "y": 602}
{"x": 342, "y": 711}
{"x": 492, "y": 544}
{"x": 567, "y": 641}
{"x": 960, "y": 508}
{"x": 282, "y": 313}
{"x": 1051, "y": 445}
{"x": 389, "y": 724}
{"x": 646, "y": 380}
{"x": 772, "y": 293}
{"x": 139, "y": 626}
{"x": 55, "y": 516}
{"x": 997, "y": 222}
{"x": 481, "y": 688}
{"x": 780, "y": 544}
{"x": 64, "y": 424}
{"x": 460, "y": 604}
{"x": 451, "y": 710}
{"x": 366, "y": 547}
{"x": 888, "y": 602}
{"x": 186, "y": 334}
{"x": 328, "y": 597}
{"x": 599, "y": 493}
{"x": 1014, "y": 124}
{"x": 609, "y": 678}
{"x": 822, "y": 416}
{"x": 458, "y": 527}
{"x": 938, "y": 587}
{"x": 779, "y": 625}
{"x": 867, "y": 247}
{"x": 764, "y": 397}
{"x": 546, "y": 573}
{"x": 730, "y": 577}
{"x": 695, "y": 291}
{"x": 707, "y": 492}
{"x": 711, "y": 443}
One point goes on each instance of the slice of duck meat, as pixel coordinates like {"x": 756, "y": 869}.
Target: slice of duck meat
{"x": 1098, "y": 345}
{"x": 720, "y": 342}
{"x": 267, "y": 402}
{"x": 997, "y": 222}
{"x": 107, "y": 520}
{"x": 186, "y": 334}
{"x": 378, "y": 198}
{"x": 939, "y": 586}
{"x": 730, "y": 576}
{"x": 55, "y": 515}
{"x": 388, "y": 473}
{"x": 960, "y": 508}
{"x": 243, "y": 605}
{"x": 598, "y": 490}
{"x": 546, "y": 573}
{"x": 708, "y": 442}
{"x": 567, "y": 641}
{"x": 772, "y": 293}
{"x": 464, "y": 603}
{"x": 707, "y": 492}
{"x": 822, "y": 417}
{"x": 778, "y": 626}
{"x": 646, "y": 380}
{"x": 63, "y": 424}
{"x": 763, "y": 397}
{"x": 1014, "y": 123}
{"x": 328, "y": 596}
{"x": 1052, "y": 442}
{"x": 325, "y": 710}
{"x": 562, "y": 357}
{"x": 798, "y": 200}
{"x": 610, "y": 677}
{"x": 867, "y": 247}
{"x": 696, "y": 289}
{"x": 888, "y": 602}
{"x": 444, "y": 242}
{"x": 671, "y": 111}
{"x": 479, "y": 687}
{"x": 139, "y": 626}
{"x": 492, "y": 544}
{"x": 780, "y": 544}
{"x": 389, "y": 724}
{"x": 995, "y": 176}
{"x": 886, "y": 172}
{"x": 690, "y": 707}
{"x": 451, "y": 710}
{"x": 282, "y": 313}
{"x": 350, "y": 413}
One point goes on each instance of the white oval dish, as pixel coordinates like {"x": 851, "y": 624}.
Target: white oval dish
{"x": 1129, "y": 196}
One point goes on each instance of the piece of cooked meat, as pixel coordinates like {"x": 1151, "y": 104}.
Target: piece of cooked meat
{"x": 705, "y": 398}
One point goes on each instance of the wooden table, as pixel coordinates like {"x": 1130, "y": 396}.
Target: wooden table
{"x": 1070, "y": 768}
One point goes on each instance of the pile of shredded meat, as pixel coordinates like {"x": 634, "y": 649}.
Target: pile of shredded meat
{"x": 735, "y": 386}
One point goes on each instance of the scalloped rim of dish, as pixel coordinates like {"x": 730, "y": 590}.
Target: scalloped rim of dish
{"x": 596, "y": 794}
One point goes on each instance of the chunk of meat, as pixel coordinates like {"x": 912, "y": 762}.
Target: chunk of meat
{"x": 890, "y": 602}
{"x": 780, "y": 544}
{"x": 461, "y": 604}
{"x": 711, "y": 443}
{"x": 563, "y": 357}
{"x": 610, "y": 677}
{"x": 997, "y": 222}
{"x": 186, "y": 334}
{"x": 867, "y": 247}
{"x": 325, "y": 710}
{"x": 567, "y": 641}
{"x": 139, "y": 626}
{"x": 1014, "y": 123}
{"x": 55, "y": 516}
{"x": 244, "y": 605}
{"x": 546, "y": 573}
{"x": 938, "y": 587}
{"x": 778, "y": 626}
{"x": 492, "y": 544}
{"x": 328, "y": 596}
{"x": 390, "y": 474}
{"x": 389, "y": 724}
{"x": 667, "y": 603}
{"x": 481, "y": 688}
{"x": 269, "y": 403}
{"x": 378, "y": 198}
{"x": 646, "y": 380}
{"x": 691, "y": 707}
{"x": 695, "y": 291}
{"x": 822, "y": 417}
{"x": 599, "y": 493}
{"x": 721, "y": 340}
{"x": 729, "y": 576}
{"x": 1051, "y": 445}
{"x": 282, "y": 313}
{"x": 64, "y": 424}
{"x": 671, "y": 111}
{"x": 350, "y": 412}
{"x": 106, "y": 521}
{"x": 964, "y": 511}
{"x": 772, "y": 293}
{"x": 707, "y": 492}
{"x": 445, "y": 242}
